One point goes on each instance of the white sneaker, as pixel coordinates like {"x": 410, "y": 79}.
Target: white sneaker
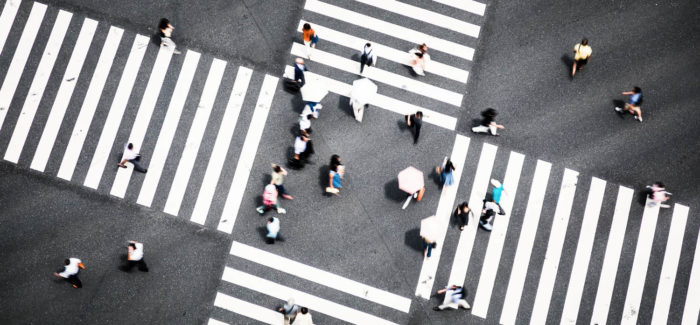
{"x": 318, "y": 106}
{"x": 664, "y": 206}
{"x": 619, "y": 109}
{"x": 281, "y": 211}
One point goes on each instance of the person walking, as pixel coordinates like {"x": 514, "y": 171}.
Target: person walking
{"x": 445, "y": 171}
{"x": 270, "y": 200}
{"x": 70, "y": 271}
{"x": 456, "y": 298}
{"x": 367, "y": 57}
{"x": 305, "y": 123}
{"x": 415, "y": 121}
{"x": 135, "y": 257}
{"x": 582, "y": 52}
{"x": 498, "y": 191}
{"x": 337, "y": 170}
{"x": 290, "y": 311}
{"x": 304, "y": 317}
{"x": 488, "y": 125}
{"x": 299, "y": 68}
{"x": 634, "y": 104}
{"x": 489, "y": 211}
{"x": 462, "y": 214}
{"x": 130, "y": 155}
{"x": 658, "y": 195}
{"x": 273, "y": 230}
{"x": 310, "y": 39}
{"x": 419, "y": 58}
{"x": 303, "y": 149}
{"x": 165, "y": 32}
{"x": 278, "y": 174}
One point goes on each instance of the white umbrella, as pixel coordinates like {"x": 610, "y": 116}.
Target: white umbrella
{"x": 429, "y": 228}
{"x": 313, "y": 91}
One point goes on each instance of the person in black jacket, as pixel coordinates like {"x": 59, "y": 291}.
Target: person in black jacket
{"x": 299, "y": 69}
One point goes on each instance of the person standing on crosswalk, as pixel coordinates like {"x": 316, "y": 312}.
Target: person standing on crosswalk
{"x": 70, "y": 271}
{"x": 135, "y": 257}
{"x": 166, "y": 31}
{"x": 488, "y": 125}
{"x": 367, "y": 57}
{"x": 130, "y": 155}
{"x": 456, "y": 298}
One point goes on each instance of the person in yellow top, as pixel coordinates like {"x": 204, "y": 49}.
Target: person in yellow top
{"x": 310, "y": 39}
{"x": 582, "y": 52}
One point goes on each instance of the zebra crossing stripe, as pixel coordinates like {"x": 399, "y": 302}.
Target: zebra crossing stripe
{"x": 398, "y": 81}
{"x": 247, "y": 157}
{"x": 523, "y": 251}
{"x": 672, "y": 255}
{"x": 583, "y": 251}
{"x": 497, "y": 238}
{"x": 63, "y": 96}
{"x": 6, "y": 19}
{"x": 426, "y": 279}
{"x": 36, "y": 90}
{"x": 384, "y": 102}
{"x": 241, "y": 307}
{"x": 611, "y": 260}
{"x": 641, "y": 262}
{"x": 218, "y": 322}
{"x": 424, "y": 15}
{"x": 22, "y": 51}
{"x": 194, "y": 138}
{"x": 554, "y": 247}
{"x": 385, "y": 52}
{"x": 691, "y": 309}
{"x": 168, "y": 128}
{"x": 282, "y": 292}
{"x": 221, "y": 146}
{"x": 460, "y": 263}
{"x": 92, "y": 97}
{"x": 466, "y": 5}
{"x": 390, "y": 29}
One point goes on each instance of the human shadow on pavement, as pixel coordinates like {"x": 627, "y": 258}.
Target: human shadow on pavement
{"x": 619, "y": 103}
{"x": 344, "y": 105}
{"x": 323, "y": 178}
{"x": 568, "y": 62}
{"x": 643, "y": 195}
{"x": 402, "y": 125}
{"x": 392, "y": 191}
{"x": 412, "y": 239}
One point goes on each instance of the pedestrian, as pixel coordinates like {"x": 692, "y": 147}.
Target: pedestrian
{"x": 658, "y": 195}
{"x": 367, "y": 57}
{"x": 270, "y": 200}
{"x": 311, "y": 108}
{"x": 582, "y": 52}
{"x": 456, "y": 298}
{"x": 418, "y": 58}
{"x": 303, "y": 149}
{"x": 305, "y": 123}
{"x": 445, "y": 171}
{"x": 337, "y": 170}
{"x": 166, "y": 31}
{"x": 634, "y": 104}
{"x": 428, "y": 246}
{"x": 462, "y": 214}
{"x": 278, "y": 174}
{"x": 135, "y": 257}
{"x": 133, "y": 157}
{"x": 273, "y": 230}
{"x": 70, "y": 271}
{"x": 498, "y": 191}
{"x": 290, "y": 311}
{"x": 415, "y": 121}
{"x": 304, "y": 317}
{"x": 487, "y": 123}
{"x": 310, "y": 39}
{"x": 489, "y": 211}
{"x": 299, "y": 68}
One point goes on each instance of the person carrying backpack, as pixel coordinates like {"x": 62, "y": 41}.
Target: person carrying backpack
{"x": 270, "y": 200}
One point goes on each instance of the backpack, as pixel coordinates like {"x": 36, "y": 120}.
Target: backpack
{"x": 269, "y": 197}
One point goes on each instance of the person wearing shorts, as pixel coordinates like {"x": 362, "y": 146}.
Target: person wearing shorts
{"x": 582, "y": 52}
{"x": 634, "y": 104}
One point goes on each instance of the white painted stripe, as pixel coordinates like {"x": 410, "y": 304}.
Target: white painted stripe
{"x": 65, "y": 91}
{"x": 385, "y": 52}
{"x": 583, "y": 251}
{"x": 92, "y": 97}
{"x": 321, "y": 277}
{"x": 497, "y": 238}
{"x": 6, "y": 19}
{"x": 466, "y": 5}
{"x": 252, "y": 311}
{"x": 247, "y": 157}
{"x": 390, "y": 29}
{"x": 460, "y": 263}
{"x": 691, "y": 308}
{"x": 168, "y": 128}
{"x": 641, "y": 262}
{"x": 672, "y": 255}
{"x": 612, "y": 256}
{"x": 221, "y": 145}
{"x": 426, "y": 279}
{"x": 424, "y": 15}
{"x": 116, "y": 111}
{"x": 194, "y": 138}
{"x": 385, "y": 102}
{"x": 36, "y": 90}
{"x": 301, "y": 298}
{"x": 523, "y": 251}
{"x": 218, "y": 322}
{"x": 22, "y": 51}
{"x": 392, "y": 79}
{"x": 557, "y": 235}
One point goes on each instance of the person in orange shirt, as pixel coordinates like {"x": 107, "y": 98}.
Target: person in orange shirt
{"x": 310, "y": 39}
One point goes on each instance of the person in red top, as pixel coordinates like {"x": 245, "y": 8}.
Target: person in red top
{"x": 310, "y": 39}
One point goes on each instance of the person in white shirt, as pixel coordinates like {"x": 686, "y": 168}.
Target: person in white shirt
{"x": 135, "y": 257}
{"x": 490, "y": 210}
{"x": 290, "y": 311}
{"x": 304, "y": 317}
{"x": 273, "y": 230}
{"x": 131, "y": 156}
{"x": 70, "y": 271}
{"x": 456, "y": 295}
{"x": 367, "y": 57}
{"x": 303, "y": 149}
{"x": 305, "y": 122}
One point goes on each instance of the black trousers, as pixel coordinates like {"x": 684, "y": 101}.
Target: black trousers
{"x": 73, "y": 279}
{"x": 140, "y": 263}
{"x": 363, "y": 62}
